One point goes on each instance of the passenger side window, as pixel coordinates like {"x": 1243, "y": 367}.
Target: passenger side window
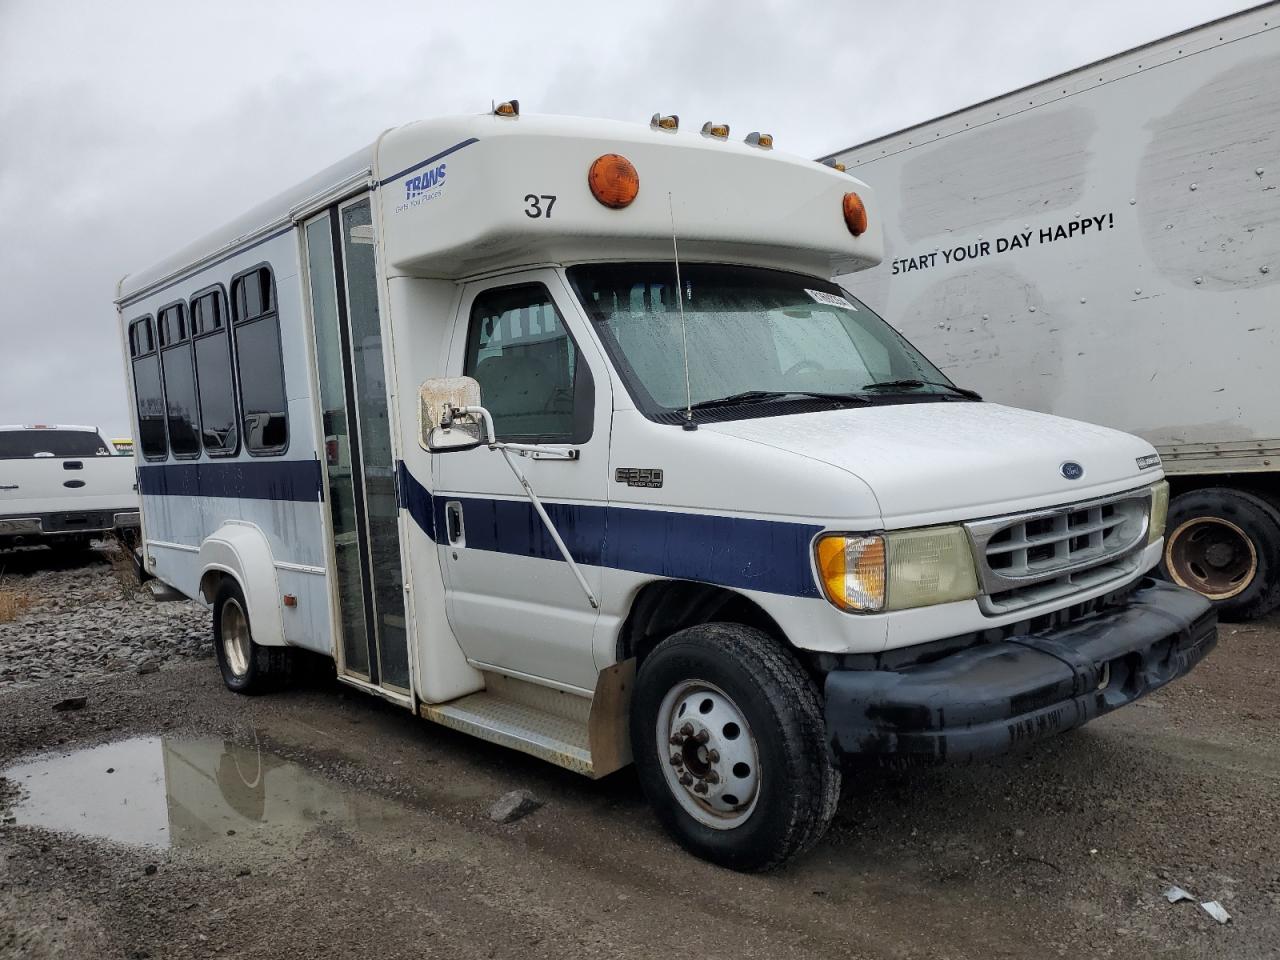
{"x": 528, "y": 368}
{"x": 264, "y": 413}
{"x": 219, "y": 431}
{"x": 147, "y": 390}
{"x": 179, "y": 382}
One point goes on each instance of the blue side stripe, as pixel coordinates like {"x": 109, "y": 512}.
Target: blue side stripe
{"x": 287, "y": 480}
{"x": 430, "y": 160}
{"x": 767, "y": 555}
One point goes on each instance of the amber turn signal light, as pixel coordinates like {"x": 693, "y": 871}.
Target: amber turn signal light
{"x": 855, "y": 214}
{"x": 613, "y": 180}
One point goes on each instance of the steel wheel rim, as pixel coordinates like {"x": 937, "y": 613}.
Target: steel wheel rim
{"x": 235, "y": 637}
{"x": 708, "y": 754}
{"x": 1212, "y": 556}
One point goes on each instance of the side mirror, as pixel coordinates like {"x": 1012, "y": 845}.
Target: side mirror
{"x": 439, "y": 429}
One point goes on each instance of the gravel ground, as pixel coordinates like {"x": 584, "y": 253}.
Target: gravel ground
{"x": 84, "y": 618}
{"x": 320, "y": 822}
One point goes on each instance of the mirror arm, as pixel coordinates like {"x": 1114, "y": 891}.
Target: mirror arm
{"x": 483, "y": 415}
{"x": 546, "y": 520}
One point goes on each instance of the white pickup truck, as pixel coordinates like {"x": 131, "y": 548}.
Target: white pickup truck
{"x": 62, "y": 486}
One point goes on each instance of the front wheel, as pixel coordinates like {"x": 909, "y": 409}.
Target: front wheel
{"x": 1225, "y": 544}
{"x": 246, "y": 666}
{"x": 731, "y": 748}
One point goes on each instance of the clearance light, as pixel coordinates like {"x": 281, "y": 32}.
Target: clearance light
{"x": 855, "y": 214}
{"x": 613, "y": 180}
{"x": 834, "y": 165}
{"x": 718, "y": 130}
{"x": 659, "y": 122}
{"x": 508, "y": 108}
{"x": 897, "y": 571}
{"x": 762, "y": 140}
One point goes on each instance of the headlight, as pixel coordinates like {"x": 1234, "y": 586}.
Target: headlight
{"x": 898, "y": 570}
{"x": 1159, "y": 511}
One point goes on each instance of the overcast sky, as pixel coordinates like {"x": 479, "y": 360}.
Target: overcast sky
{"x": 130, "y": 128}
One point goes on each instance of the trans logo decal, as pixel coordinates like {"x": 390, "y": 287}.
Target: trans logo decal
{"x": 426, "y": 186}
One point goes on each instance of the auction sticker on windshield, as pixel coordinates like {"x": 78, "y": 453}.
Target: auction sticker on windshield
{"x": 830, "y": 299}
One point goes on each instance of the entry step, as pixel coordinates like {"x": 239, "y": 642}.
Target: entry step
{"x": 532, "y": 719}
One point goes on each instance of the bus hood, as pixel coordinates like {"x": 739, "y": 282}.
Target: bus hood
{"x": 940, "y": 462}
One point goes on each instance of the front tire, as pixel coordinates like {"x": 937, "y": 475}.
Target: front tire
{"x": 1225, "y": 544}
{"x": 731, "y": 748}
{"x": 246, "y": 666}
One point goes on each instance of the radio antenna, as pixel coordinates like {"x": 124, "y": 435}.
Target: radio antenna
{"x": 684, "y": 335}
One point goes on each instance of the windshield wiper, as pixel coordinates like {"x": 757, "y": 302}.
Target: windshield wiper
{"x": 908, "y": 383}
{"x": 763, "y": 396}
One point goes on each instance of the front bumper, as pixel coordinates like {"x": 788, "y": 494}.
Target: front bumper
{"x": 994, "y": 698}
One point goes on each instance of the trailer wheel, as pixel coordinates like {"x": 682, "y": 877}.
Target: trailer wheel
{"x": 1225, "y": 544}
{"x": 731, "y": 746}
{"x": 246, "y": 666}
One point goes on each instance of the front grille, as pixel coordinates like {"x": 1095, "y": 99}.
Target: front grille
{"x": 1046, "y": 555}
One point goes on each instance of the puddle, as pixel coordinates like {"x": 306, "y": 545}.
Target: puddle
{"x": 182, "y": 792}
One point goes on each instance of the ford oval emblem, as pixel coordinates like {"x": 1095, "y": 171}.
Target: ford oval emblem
{"x": 1072, "y": 470}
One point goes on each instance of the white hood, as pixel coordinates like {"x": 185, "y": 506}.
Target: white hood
{"x": 940, "y": 462}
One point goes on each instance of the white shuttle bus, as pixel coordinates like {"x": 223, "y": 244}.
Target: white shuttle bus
{"x": 556, "y": 432}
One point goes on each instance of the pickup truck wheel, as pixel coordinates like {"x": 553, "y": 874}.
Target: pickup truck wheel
{"x": 246, "y": 667}
{"x": 731, "y": 746}
{"x": 1225, "y": 544}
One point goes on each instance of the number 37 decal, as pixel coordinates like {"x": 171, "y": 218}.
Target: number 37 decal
{"x": 535, "y": 205}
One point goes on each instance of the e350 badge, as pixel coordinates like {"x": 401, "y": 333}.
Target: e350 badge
{"x": 638, "y": 476}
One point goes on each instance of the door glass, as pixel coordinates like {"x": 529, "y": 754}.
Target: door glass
{"x": 337, "y": 447}
{"x": 382, "y": 507}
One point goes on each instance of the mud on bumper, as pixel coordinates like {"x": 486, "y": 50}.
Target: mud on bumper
{"x": 994, "y": 698}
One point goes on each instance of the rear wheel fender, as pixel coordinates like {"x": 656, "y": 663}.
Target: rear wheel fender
{"x": 240, "y": 551}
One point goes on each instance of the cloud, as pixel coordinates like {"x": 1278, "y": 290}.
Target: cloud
{"x": 132, "y": 128}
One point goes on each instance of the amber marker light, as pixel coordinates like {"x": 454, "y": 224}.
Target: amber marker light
{"x": 718, "y": 130}
{"x": 852, "y": 571}
{"x": 613, "y": 180}
{"x": 762, "y": 140}
{"x": 670, "y": 122}
{"x": 508, "y": 108}
{"x": 855, "y": 214}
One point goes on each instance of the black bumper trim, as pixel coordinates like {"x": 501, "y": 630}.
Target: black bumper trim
{"x": 998, "y": 697}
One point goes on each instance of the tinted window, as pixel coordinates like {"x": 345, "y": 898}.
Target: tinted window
{"x": 218, "y": 425}
{"x": 179, "y": 383}
{"x": 527, "y": 366}
{"x": 17, "y": 444}
{"x": 148, "y": 393}
{"x": 263, "y": 406}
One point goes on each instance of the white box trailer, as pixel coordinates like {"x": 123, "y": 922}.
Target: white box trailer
{"x": 1105, "y": 245}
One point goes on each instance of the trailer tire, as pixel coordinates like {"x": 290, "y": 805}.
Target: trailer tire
{"x": 247, "y": 667}
{"x": 755, "y": 783}
{"x": 1225, "y": 544}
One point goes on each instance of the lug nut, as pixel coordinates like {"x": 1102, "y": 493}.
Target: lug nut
{"x": 702, "y": 736}
{"x": 686, "y": 730}
{"x": 713, "y": 756}
{"x": 676, "y": 760}
{"x": 676, "y": 740}
{"x": 700, "y": 787}
{"x": 713, "y": 777}
{"x": 685, "y": 780}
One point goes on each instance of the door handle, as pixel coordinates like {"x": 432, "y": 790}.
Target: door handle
{"x": 453, "y": 523}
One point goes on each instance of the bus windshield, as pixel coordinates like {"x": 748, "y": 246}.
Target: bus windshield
{"x": 754, "y": 335}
